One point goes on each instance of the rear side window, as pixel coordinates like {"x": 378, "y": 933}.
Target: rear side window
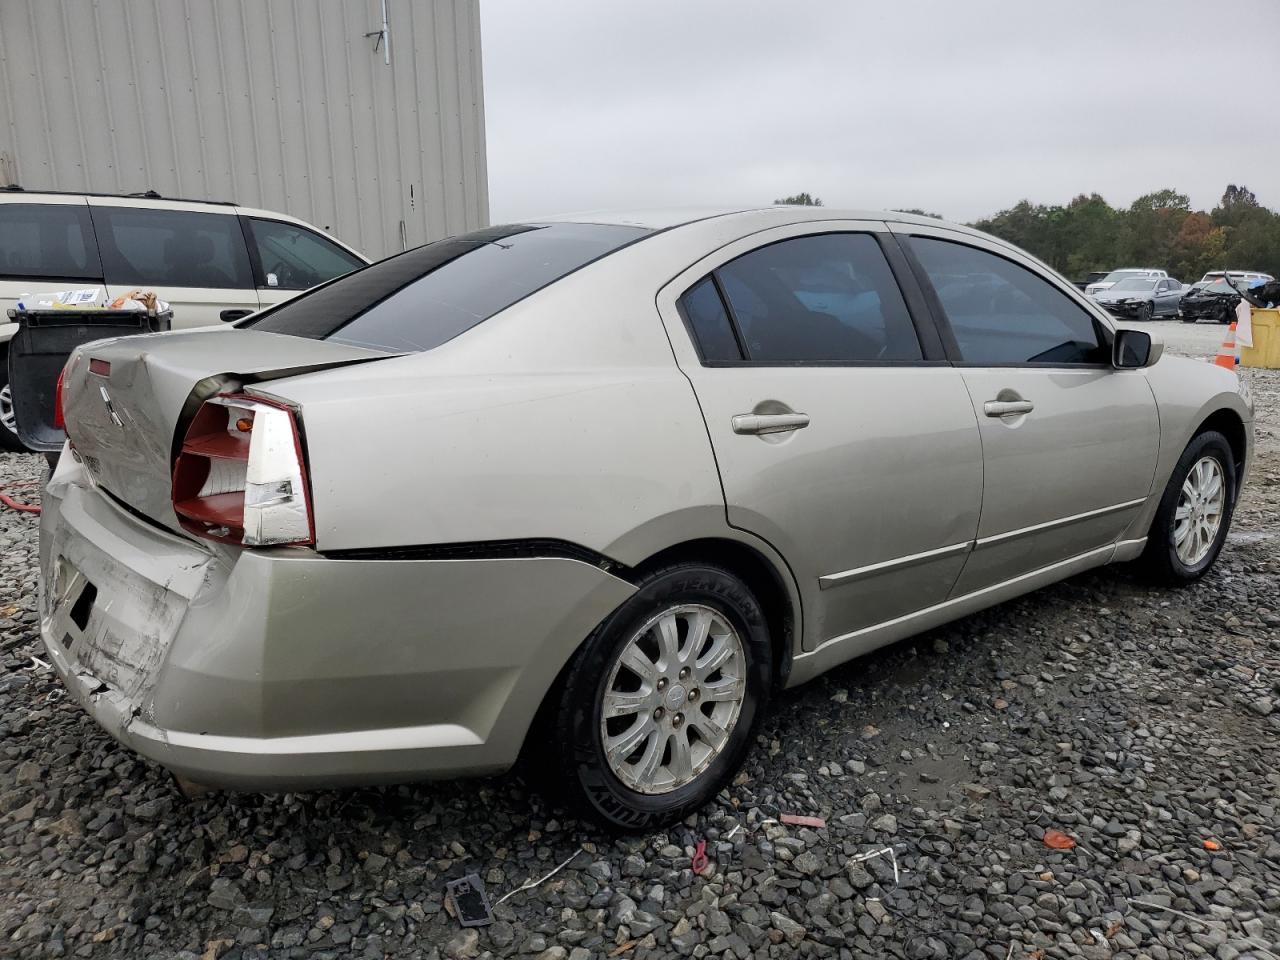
{"x": 712, "y": 331}
{"x": 172, "y": 248}
{"x": 828, "y": 298}
{"x": 51, "y": 241}
{"x": 1002, "y": 313}
{"x": 424, "y": 297}
{"x": 295, "y": 258}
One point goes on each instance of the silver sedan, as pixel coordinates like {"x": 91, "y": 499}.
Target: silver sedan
{"x": 592, "y": 489}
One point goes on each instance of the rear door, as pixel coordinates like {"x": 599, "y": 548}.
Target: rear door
{"x": 288, "y": 257}
{"x": 193, "y": 255}
{"x": 46, "y": 244}
{"x": 842, "y": 436}
{"x": 1069, "y": 443}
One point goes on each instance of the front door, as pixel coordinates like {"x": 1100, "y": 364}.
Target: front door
{"x": 192, "y": 255}
{"x": 839, "y": 441}
{"x": 1069, "y": 443}
{"x": 289, "y": 258}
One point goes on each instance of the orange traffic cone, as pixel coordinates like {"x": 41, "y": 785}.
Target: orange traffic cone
{"x": 1227, "y": 352}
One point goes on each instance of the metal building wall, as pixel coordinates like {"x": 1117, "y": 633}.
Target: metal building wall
{"x": 282, "y": 104}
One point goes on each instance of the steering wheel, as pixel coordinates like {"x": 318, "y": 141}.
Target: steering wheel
{"x": 286, "y": 276}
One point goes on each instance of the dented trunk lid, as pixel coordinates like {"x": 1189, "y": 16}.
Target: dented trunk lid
{"x": 125, "y": 399}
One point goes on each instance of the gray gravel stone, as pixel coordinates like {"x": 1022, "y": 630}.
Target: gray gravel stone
{"x": 1140, "y": 721}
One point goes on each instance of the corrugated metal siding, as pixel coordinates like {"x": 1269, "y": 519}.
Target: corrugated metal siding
{"x": 282, "y": 104}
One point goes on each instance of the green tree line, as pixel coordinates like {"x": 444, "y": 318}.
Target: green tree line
{"x": 1157, "y": 230}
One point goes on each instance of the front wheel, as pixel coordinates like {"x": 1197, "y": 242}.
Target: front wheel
{"x": 658, "y": 708}
{"x": 1194, "y": 515}
{"x": 1146, "y": 312}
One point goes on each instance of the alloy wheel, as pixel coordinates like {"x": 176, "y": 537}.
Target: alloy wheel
{"x": 672, "y": 698}
{"x": 8, "y": 419}
{"x": 1199, "y": 512}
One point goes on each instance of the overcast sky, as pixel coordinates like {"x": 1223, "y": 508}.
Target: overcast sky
{"x": 961, "y": 108}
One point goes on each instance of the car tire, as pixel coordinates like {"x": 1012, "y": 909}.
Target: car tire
{"x": 628, "y": 770}
{"x": 1146, "y": 312}
{"x": 1188, "y": 319}
{"x": 8, "y": 437}
{"x": 1187, "y": 511}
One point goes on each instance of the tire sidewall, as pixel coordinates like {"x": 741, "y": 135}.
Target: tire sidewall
{"x": 1213, "y": 444}
{"x": 8, "y": 439}
{"x": 583, "y": 696}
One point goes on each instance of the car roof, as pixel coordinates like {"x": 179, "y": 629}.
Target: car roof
{"x": 665, "y": 218}
{"x": 141, "y": 195}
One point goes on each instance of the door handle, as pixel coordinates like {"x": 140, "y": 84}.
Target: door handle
{"x": 761, "y": 423}
{"x": 228, "y": 316}
{"x": 1007, "y": 408}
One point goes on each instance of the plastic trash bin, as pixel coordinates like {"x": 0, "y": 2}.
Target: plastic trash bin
{"x": 1265, "y": 351}
{"x": 39, "y": 351}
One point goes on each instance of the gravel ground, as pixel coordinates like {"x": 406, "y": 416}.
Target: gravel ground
{"x": 1142, "y": 723}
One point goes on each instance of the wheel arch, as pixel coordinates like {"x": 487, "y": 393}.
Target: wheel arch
{"x": 1228, "y": 423}
{"x": 780, "y": 602}
{"x": 767, "y": 577}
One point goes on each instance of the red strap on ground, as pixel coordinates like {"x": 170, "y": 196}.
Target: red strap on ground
{"x": 699, "y": 863}
{"x": 13, "y": 504}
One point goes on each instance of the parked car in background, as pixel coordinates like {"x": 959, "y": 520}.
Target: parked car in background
{"x": 1241, "y": 278}
{"x": 212, "y": 261}
{"x": 1115, "y": 276}
{"x": 1142, "y": 298}
{"x": 1215, "y": 300}
{"x": 1092, "y": 276}
{"x": 597, "y": 489}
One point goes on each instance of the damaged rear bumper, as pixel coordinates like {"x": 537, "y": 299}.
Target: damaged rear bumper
{"x": 283, "y": 669}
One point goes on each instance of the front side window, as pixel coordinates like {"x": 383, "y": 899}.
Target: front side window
{"x": 295, "y": 258}
{"x": 426, "y": 296}
{"x": 1002, "y": 313}
{"x": 47, "y": 241}
{"x": 172, "y": 248}
{"x": 828, "y": 298}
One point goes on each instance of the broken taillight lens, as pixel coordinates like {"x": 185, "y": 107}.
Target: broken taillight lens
{"x": 59, "y": 420}
{"x": 240, "y": 476}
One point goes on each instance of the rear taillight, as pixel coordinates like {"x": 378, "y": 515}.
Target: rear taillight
{"x": 59, "y": 420}
{"x": 240, "y": 477}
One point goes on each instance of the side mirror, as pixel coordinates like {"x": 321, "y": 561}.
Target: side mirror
{"x": 1134, "y": 349}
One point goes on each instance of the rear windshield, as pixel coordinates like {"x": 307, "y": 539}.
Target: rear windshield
{"x": 423, "y": 297}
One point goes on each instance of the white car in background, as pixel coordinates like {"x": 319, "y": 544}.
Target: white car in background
{"x": 1115, "y": 276}
{"x": 1241, "y": 278}
{"x": 212, "y": 261}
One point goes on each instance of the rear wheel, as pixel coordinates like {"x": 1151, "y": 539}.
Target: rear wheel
{"x": 658, "y": 709}
{"x": 8, "y": 422}
{"x": 1191, "y": 523}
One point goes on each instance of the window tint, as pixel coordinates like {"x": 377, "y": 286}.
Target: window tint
{"x": 712, "y": 331}
{"x": 174, "y": 248}
{"x": 294, "y": 258}
{"x": 424, "y": 297}
{"x": 830, "y": 297}
{"x": 1003, "y": 313}
{"x": 47, "y": 240}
